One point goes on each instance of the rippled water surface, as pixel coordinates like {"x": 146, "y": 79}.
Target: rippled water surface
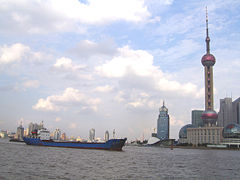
{"x": 20, "y": 161}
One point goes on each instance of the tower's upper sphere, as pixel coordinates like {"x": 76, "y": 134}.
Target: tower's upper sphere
{"x": 209, "y": 116}
{"x": 208, "y": 60}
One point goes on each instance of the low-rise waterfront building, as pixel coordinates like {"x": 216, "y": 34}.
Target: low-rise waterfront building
{"x": 3, "y": 134}
{"x": 79, "y": 139}
{"x": 204, "y": 135}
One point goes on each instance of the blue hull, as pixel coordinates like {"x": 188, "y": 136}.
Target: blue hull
{"x": 112, "y": 144}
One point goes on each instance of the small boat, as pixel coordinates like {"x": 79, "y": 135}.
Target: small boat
{"x": 42, "y": 138}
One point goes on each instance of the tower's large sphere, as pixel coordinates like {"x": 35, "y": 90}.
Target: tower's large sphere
{"x": 208, "y": 60}
{"x": 209, "y": 116}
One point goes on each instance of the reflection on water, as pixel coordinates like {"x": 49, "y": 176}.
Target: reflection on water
{"x": 19, "y": 161}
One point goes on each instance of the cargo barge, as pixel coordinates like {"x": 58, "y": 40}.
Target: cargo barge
{"x": 112, "y": 144}
{"x": 42, "y": 138}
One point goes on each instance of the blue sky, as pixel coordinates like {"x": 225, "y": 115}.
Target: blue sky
{"x": 109, "y": 64}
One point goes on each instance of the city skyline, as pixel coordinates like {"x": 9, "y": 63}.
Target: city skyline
{"x": 78, "y": 65}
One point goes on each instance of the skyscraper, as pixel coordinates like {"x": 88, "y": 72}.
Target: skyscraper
{"x": 209, "y": 116}
{"x": 92, "y": 135}
{"x": 163, "y": 123}
{"x": 64, "y": 136}
{"x": 225, "y": 114}
{"x": 34, "y": 127}
{"x": 57, "y": 134}
{"x": 197, "y": 118}
{"x": 229, "y": 112}
{"x": 236, "y": 110}
{"x": 106, "y": 136}
{"x": 20, "y": 132}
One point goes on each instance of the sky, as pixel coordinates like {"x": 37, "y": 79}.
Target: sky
{"x": 110, "y": 64}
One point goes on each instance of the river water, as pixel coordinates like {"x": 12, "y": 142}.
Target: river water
{"x": 20, "y": 161}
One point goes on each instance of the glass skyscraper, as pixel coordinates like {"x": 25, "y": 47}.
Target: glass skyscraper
{"x": 229, "y": 112}
{"x": 163, "y": 123}
{"x": 197, "y": 118}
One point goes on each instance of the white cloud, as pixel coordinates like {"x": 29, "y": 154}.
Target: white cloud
{"x": 139, "y": 63}
{"x": 95, "y": 11}
{"x": 176, "y": 122}
{"x": 119, "y": 97}
{"x": 179, "y": 88}
{"x": 168, "y": 2}
{"x": 159, "y": 2}
{"x": 72, "y": 15}
{"x": 18, "y": 52}
{"x": 31, "y": 84}
{"x": 70, "y": 98}
{"x": 87, "y": 48}
{"x": 64, "y": 63}
{"x": 106, "y": 88}
{"x": 46, "y": 105}
{"x": 71, "y": 70}
{"x": 140, "y": 99}
{"x": 156, "y": 19}
{"x": 13, "y": 53}
{"x": 136, "y": 104}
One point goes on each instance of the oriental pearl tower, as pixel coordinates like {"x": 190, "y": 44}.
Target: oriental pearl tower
{"x": 209, "y": 116}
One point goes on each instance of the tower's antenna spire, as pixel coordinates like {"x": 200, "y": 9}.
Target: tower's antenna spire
{"x": 207, "y": 38}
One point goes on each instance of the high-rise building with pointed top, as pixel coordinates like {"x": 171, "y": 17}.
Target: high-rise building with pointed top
{"x": 163, "y": 123}
{"x": 209, "y": 116}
